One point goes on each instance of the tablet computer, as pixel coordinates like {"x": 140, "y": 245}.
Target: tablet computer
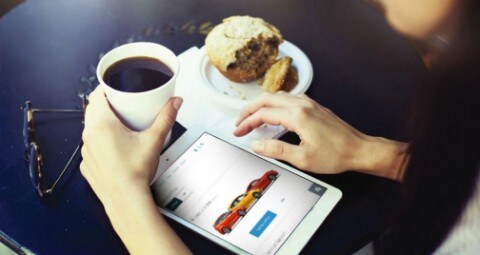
{"x": 244, "y": 202}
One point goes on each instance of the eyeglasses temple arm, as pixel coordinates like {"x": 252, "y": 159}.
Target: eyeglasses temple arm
{"x": 50, "y": 190}
{"x": 58, "y": 110}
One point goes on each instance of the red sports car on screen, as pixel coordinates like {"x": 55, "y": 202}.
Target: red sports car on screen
{"x": 264, "y": 181}
{"x": 225, "y": 223}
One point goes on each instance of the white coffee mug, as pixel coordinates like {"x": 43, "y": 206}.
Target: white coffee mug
{"x": 138, "y": 110}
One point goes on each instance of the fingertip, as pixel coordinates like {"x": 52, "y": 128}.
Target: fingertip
{"x": 240, "y": 131}
{"x": 97, "y": 91}
{"x": 98, "y": 95}
{"x": 258, "y": 146}
{"x": 236, "y": 132}
{"x": 99, "y": 88}
{"x": 238, "y": 122}
{"x": 177, "y": 103}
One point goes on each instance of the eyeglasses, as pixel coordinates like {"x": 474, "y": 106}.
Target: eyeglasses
{"x": 33, "y": 154}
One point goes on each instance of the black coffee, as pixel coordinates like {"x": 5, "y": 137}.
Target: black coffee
{"x": 137, "y": 74}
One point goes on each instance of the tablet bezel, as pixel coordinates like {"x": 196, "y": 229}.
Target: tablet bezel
{"x": 300, "y": 235}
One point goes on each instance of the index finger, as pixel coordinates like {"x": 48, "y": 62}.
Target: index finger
{"x": 98, "y": 107}
{"x": 279, "y": 99}
{"x": 271, "y": 116}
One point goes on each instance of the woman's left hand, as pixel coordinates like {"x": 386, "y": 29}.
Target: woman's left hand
{"x": 116, "y": 158}
{"x": 119, "y": 165}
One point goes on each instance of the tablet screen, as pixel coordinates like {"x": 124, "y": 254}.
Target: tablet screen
{"x": 235, "y": 195}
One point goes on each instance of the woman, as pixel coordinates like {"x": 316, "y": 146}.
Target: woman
{"x": 439, "y": 167}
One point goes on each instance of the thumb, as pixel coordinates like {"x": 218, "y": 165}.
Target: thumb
{"x": 165, "y": 119}
{"x": 279, "y": 150}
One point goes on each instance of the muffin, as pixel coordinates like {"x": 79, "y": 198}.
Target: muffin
{"x": 243, "y": 48}
{"x": 281, "y": 76}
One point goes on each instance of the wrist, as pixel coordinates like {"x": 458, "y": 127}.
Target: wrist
{"x": 137, "y": 221}
{"x": 381, "y": 157}
{"x": 126, "y": 199}
{"x": 130, "y": 212}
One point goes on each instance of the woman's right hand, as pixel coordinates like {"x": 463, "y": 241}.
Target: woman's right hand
{"x": 328, "y": 144}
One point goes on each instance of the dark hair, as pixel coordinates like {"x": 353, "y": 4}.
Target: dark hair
{"x": 445, "y": 149}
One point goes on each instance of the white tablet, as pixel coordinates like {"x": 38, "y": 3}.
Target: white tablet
{"x": 244, "y": 202}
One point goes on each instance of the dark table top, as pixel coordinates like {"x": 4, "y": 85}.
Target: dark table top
{"x": 363, "y": 71}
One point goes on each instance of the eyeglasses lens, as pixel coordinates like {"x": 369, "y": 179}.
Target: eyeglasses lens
{"x": 34, "y": 165}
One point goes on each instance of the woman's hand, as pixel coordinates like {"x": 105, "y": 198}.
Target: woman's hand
{"x": 119, "y": 165}
{"x": 115, "y": 157}
{"x": 328, "y": 144}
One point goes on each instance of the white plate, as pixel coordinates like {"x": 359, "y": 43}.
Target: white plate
{"x": 237, "y": 95}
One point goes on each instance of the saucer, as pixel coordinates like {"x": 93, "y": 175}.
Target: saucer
{"x": 237, "y": 95}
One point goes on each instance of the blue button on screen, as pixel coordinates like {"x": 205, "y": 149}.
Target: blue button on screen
{"x": 263, "y": 223}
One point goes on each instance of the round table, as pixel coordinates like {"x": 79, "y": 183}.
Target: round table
{"x": 363, "y": 71}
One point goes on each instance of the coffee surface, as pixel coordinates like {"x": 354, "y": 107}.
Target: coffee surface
{"x": 137, "y": 74}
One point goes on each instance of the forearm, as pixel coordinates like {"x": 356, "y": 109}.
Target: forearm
{"x": 382, "y": 157}
{"x": 141, "y": 227}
